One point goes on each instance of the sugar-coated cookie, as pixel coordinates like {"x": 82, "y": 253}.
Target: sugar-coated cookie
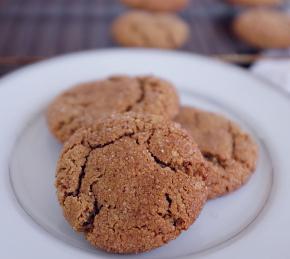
{"x": 83, "y": 104}
{"x": 131, "y": 183}
{"x": 230, "y": 152}
{"x": 151, "y": 30}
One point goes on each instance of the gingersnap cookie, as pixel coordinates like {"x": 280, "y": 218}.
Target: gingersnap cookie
{"x": 263, "y": 28}
{"x": 83, "y": 104}
{"x": 230, "y": 152}
{"x": 256, "y": 2}
{"x": 151, "y": 30}
{"x": 131, "y": 183}
{"x": 160, "y": 5}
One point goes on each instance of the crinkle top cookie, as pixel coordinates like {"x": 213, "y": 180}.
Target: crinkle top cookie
{"x": 131, "y": 183}
{"x": 230, "y": 152}
{"x": 83, "y": 104}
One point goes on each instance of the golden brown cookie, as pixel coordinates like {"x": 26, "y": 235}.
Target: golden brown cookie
{"x": 151, "y": 30}
{"x": 256, "y": 2}
{"x": 159, "y": 5}
{"x": 263, "y": 28}
{"x": 83, "y": 104}
{"x": 131, "y": 183}
{"x": 230, "y": 152}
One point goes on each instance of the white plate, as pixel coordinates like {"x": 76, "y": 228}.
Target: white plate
{"x": 250, "y": 223}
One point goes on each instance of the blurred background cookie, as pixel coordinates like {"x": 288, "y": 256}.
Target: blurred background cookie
{"x": 83, "y": 104}
{"x": 263, "y": 28}
{"x": 153, "y": 30}
{"x": 230, "y": 152}
{"x": 157, "y": 5}
{"x": 256, "y": 2}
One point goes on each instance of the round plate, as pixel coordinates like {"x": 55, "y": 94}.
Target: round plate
{"x": 248, "y": 223}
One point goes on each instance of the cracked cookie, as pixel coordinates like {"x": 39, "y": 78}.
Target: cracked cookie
{"x": 152, "y": 30}
{"x": 159, "y": 6}
{"x": 231, "y": 153}
{"x": 131, "y": 183}
{"x": 263, "y": 28}
{"x": 82, "y": 105}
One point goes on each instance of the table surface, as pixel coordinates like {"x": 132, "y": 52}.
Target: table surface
{"x": 51, "y": 27}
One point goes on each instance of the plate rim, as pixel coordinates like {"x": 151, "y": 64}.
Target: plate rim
{"x": 226, "y": 242}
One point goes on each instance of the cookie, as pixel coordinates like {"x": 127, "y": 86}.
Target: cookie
{"x": 230, "y": 152}
{"x": 263, "y": 28}
{"x": 256, "y": 2}
{"x": 83, "y": 104}
{"x": 131, "y": 183}
{"x": 151, "y": 30}
{"x": 160, "y": 5}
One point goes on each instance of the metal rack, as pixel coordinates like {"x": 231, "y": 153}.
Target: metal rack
{"x": 47, "y": 28}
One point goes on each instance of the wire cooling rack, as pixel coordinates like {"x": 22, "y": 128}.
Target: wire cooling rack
{"x": 44, "y": 28}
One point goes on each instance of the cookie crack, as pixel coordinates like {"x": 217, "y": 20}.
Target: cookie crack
{"x": 95, "y": 211}
{"x": 81, "y": 175}
{"x": 93, "y": 147}
{"x": 158, "y": 161}
{"x": 83, "y": 167}
{"x": 212, "y": 158}
{"x": 90, "y": 220}
{"x": 177, "y": 222}
{"x": 76, "y": 192}
{"x": 161, "y": 163}
{"x": 216, "y": 160}
{"x": 168, "y": 215}
{"x": 168, "y": 199}
{"x": 88, "y": 224}
{"x": 141, "y": 83}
